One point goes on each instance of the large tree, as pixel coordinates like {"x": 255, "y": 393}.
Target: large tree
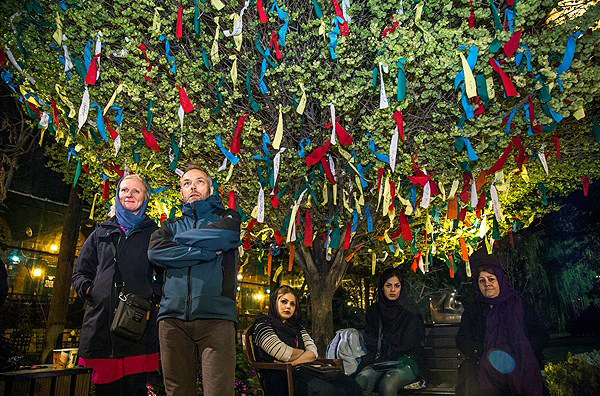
{"x": 460, "y": 87}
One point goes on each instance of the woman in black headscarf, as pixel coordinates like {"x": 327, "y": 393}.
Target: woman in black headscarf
{"x": 393, "y": 336}
{"x": 502, "y": 340}
{"x": 280, "y": 337}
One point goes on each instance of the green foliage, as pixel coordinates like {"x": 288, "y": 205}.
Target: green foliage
{"x": 573, "y": 377}
{"x": 431, "y": 109}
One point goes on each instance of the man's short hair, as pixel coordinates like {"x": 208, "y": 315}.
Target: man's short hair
{"x": 201, "y": 169}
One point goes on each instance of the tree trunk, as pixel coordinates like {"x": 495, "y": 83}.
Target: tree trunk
{"x": 64, "y": 270}
{"x": 321, "y": 297}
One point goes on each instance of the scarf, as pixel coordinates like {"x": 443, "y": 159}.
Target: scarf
{"x": 126, "y": 219}
{"x": 508, "y": 356}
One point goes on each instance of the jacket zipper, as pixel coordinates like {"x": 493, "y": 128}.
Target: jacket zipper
{"x": 189, "y": 276}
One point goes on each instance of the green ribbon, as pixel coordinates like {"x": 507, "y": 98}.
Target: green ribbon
{"x": 495, "y": 45}
{"x": 401, "y": 93}
{"x": 255, "y": 106}
{"x": 80, "y": 67}
{"x": 262, "y": 51}
{"x": 318, "y": 10}
{"x": 77, "y": 173}
{"x": 495, "y": 230}
{"x": 196, "y": 19}
{"x": 172, "y": 212}
{"x": 150, "y": 114}
{"x": 335, "y": 234}
{"x": 497, "y": 22}
{"x": 217, "y": 109}
{"x": 482, "y": 90}
{"x": 544, "y": 192}
{"x": 596, "y": 128}
{"x": 205, "y": 59}
{"x": 136, "y": 156}
{"x": 175, "y": 148}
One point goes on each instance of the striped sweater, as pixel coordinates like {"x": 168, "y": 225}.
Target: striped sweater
{"x": 267, "y": 340}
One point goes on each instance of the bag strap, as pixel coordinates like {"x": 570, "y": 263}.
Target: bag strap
{"x": 379, "y": 337}
{"x": 119, "y": 284}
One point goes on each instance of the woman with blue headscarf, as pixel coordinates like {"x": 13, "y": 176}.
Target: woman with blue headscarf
{"x": 120, "y": 366}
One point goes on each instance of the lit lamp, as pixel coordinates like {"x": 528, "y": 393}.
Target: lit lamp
{"x": 258, "y": 296}
{"x": 54, "y": 248}
{"x": 37, "y": 272}
{"x": 240, "y": 277}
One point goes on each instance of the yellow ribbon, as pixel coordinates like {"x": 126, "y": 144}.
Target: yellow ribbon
{"x": 579, "y": 114}
{"x": 387, "y": 195}
{"x": 345, "y": 201}
{"x": 279, "y": 132}
{"x": 373, "y": 262}
{"x": 490, "y": 87}
{"x": 470, "y": 85}
{"x": 238, "y": 38}
{"x": 72, "y": 112}
{"x": 217, "y": 4}
{"x": 229, "y": 173}
{"x": 347, "y": 156}
{"x": 418, "y": 14}
{"x": 428, "y": 225}
{"x": 488, "y": 245}
{"x": 361, "y": 200}
{"x": 57, "y": 36}
{"x": 234, "y": 71}
{"x": 524, "y": 174}
{"x": 30, "y": 99}
{"x": 335, "y": 193}
{"x": 278, "y": 271}
{"x": 302, "y": 104}
{"x": 325, "y": 195}
{"x": 156, "y": 20}
{"x": 112, "y": 98}
{"x": 93, "y": 206}
{"x": 214, "y": 50}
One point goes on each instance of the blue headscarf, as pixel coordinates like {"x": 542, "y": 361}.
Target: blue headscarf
{"x": 126, "y": 219}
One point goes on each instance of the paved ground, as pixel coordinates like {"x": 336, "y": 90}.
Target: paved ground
{"x": 561, "y": 344}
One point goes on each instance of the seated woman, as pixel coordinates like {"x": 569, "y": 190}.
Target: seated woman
{"x": 502, "y": 340}
{"x": 280, "y": 337}
{"x": 394, "y": 334}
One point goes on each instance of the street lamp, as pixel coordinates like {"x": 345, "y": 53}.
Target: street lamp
{"x": 37, "y": 272}
{"x": 54, "y": 248}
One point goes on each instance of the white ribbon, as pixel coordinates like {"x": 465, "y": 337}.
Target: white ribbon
{"x": 542, "y": 158}
{"x": 44, "y": 120}
{"x": 332, "y": 167}
{"x": 394, "y": 149}
{"x": 383, "y": 102}
{"x": 97, "y": 50}
{"x": 68, "y": 61}
{"x": 12, "y": 60}
{"x": 117, "y": 144}
{"x": 223, "y": 165}
{"x": 238, "y": 25}
{"x": 276, "y": 163}
{"x": 332, "y": 109}
{"x": 495, "y": 203}
{"x": 473, "y": 194}
{"x": 345, "y": 6}
{"x": 181, "y": 114}
{"x": 482, "y": 227}
{"x": 84, "y": 108}
{"x": 291, "y": 234}
{"x": 261, "y": 206}
{"x": 426, "y": 196}
{"x": 453, "y": 189}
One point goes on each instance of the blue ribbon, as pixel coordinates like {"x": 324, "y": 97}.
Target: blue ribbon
{"x": 519, "y": 58}
{"x": 286, "y": 21}
{"x": 263, "y": 69}
{"x": 413, "y": 197}
{"x": 526, "y": 109}
{"x": 63, "y": 5}
{"x": 568, "y": 58}
{"x": 551, "y": 113}
{"x": 265, "y": 140}
{"x": 359, "y": 168}
{"x": 170, "y": 57}
{"x": 119, "y": 117}
{"x": 354, "y": 220}
{"x": 87, "y": 54}
{"x": 303, "y": 143}
{"x": 510, "y": 117}
{"x": 469, "y": 112}
{"x": 471, "y": 60}
{"x": 157, "y": 190}
{"x": 381, "y": 157}
{"x": 100, "y": 121}
{"x": 510, "y": 16}
{"x": 470, "y": 152}
{"x": 337, "y": 21}
{"x": 232, "y": 158}
{"x": 71, "y": 152}
{"x": 7, "y": 77}
{"x": 369, "y": 218}
{"x": 262, "y": 51}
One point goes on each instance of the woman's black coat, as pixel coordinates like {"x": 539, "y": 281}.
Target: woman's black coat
{"x": 471, "y": 333}
{"x": 95, "y": 268}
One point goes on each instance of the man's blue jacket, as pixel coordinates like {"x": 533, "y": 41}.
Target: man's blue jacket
{"x": 199, "y": 252}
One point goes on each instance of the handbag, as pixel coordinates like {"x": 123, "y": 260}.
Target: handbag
{"x": 386, "y": 364}
{"x": 132, "y": 314}
{"x": 320, "y": 370}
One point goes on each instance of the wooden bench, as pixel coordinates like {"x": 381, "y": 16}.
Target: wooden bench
{"x": 248, "y": 348}
{"x": 45, "y": 381}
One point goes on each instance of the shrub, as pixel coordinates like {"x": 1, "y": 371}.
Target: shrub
{"x": 575, "y": 376}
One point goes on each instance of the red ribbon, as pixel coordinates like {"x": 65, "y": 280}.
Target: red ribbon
{"x": 471, "y": 19}
{"x": 405, "y": 228}
{"x": 113, "y": 134}
{"x": 451, "y": 268}
{"x": 343, "y": 136}
{"x": 231, "y": 200}
{"x": 278, "y": 238}
{"x": 480, "y": 106}
{"x": 55, "y": 113}
{"x": 2, "y": 59}
{"x": 465, "y": 192}
{"x": 236, "y": 141}
{"x": 32, "y": 107}
{"x": 338, "y": 11}
{"x": 117, "y": 170}
{"x": 274, "y": 199}
{"x": 399, "y": 123}
{"x": 105, "y": 190}
{"x": 261, "y": 11}
{"x": 327, "y": 170}
{"x": 275, "y": 43}
{"x": 585, "y": 180}
{"x": 556, "y": 142}
{"x": 149, "y": 68}
{"x": 179, "y": 32}
{"x": 347, "y": 236}
{"x": 480, "y": 204}
{"x": 516, "y": 143}
{"x": 183, "y": 99}
{"x": 389, "y": 30}
{"x": 163, "y": 217}
{"x": 90, "y": 77}
{"x": 415, "y": 264}
{"x": 317, "y": 154}
{"x": 150, "y": 140}
{"x": 393, "y": 194}
{"x": 379, "y": 177}
{"x": 510, "y": 47}
{"x": 308, "y": 229}
{"x": 508, "y": 85}
{"x": 510, "y": 2}
{"x": 537, "y": 129}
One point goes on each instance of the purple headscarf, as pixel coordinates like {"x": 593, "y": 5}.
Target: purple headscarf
{"x": 506, "y": 338}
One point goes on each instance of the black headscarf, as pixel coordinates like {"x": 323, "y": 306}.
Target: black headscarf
{"x": 288, "y": 331}
{"x": 402, "y": 326}
{"x": 506, "y": 334}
